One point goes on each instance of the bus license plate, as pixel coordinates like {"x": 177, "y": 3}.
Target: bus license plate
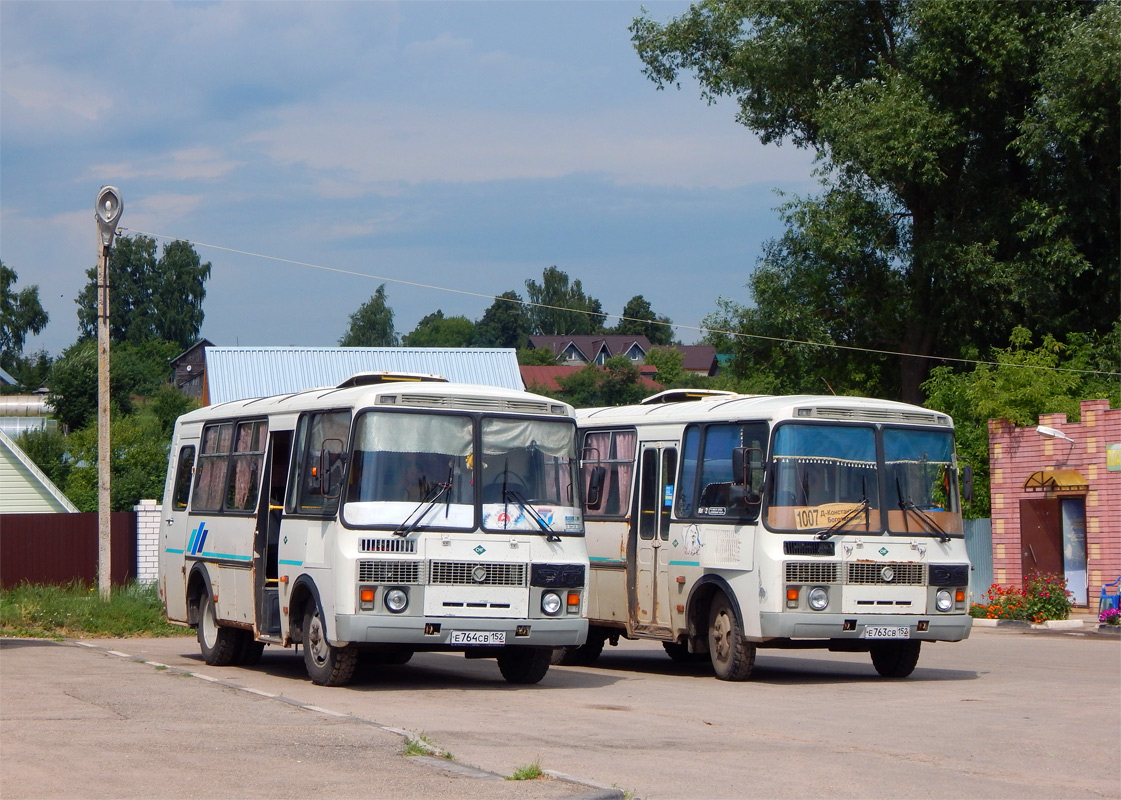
{"x": 887, "y": 632}
{"x": 479, "y": 638}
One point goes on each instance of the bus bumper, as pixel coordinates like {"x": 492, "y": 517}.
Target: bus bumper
{"x": 435, "y": 632}
{"x": 808, "y": 625}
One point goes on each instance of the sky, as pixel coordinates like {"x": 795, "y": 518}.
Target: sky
{"x": 313, "y": 151}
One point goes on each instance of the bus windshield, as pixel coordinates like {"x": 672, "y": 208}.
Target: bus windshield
{"x": 528, "y": 476}
{"x": 827, "y": 478}
{"x": 402, "y": 461}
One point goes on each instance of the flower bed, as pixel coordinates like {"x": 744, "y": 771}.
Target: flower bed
{"x": 1042, "y": 597}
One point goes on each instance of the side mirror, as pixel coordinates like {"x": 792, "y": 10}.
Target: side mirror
{"x": 332, "y": 465}
{"x": 595, "y": 486}
{"x": 967, "y": 483}
{"x": 746, "y": 461}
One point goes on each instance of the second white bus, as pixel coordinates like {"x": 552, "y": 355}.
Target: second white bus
{"x": 735, "y": 522}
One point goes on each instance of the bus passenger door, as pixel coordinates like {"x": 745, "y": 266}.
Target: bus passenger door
{"x": 266, "y": 545}
{"x": 174, "y": 529}
{"x": 649, "y": 533}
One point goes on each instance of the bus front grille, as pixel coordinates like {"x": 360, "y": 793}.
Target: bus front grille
{"x": 474, "y": 573}
{"x": 389, "y": 571}
{"x": 877, "y": 573}
{"x": 811, "y": 572}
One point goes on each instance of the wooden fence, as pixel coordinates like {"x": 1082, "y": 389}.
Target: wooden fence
{"x": 61, "y": 548}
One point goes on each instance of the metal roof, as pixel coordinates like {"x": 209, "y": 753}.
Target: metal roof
{"x": 237, "y": 373}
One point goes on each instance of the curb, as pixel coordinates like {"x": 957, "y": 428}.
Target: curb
{"x": 1076, "y": 627}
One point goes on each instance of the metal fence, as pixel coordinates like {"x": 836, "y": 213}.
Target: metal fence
{"x": 979, "y": 545}
{"x": 62, "y": 548}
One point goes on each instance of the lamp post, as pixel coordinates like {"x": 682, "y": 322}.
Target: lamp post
{"x": 107, "y": 211}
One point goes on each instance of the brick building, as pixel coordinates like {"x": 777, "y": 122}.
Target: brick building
{"x": 1056, "y": 494}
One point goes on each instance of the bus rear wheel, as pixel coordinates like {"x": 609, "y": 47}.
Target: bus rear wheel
{"x": 733, "y": 657}
{"x": 327, "y": 665}
{"x": 524, "y": 664}
{"x": 581, "y": 655}
{"x": 220, "y": 645}
{"x": 895, "y": 659}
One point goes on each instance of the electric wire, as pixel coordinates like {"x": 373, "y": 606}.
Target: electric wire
{"x": 528, "y": 303}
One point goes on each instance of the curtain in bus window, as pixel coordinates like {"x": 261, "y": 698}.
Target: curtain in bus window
{"x": 613, "y": 450}
{"x": 919, "y": 468}
{"x": 537, "y": 455}
{"x": 210, "y": 481}
{"x": 248, "y": 456}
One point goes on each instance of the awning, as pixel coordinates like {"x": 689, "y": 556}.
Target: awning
{"x": 1056, "y": 480}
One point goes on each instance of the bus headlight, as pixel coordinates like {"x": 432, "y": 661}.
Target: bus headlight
{"x": 396, "y": 600}
{"x": 944, "y": 600}
{"x": 818, "y": 598}
{"x": 551, "y": 603}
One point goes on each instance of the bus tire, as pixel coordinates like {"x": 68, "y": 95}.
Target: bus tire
{"x": 895, "y": 659}
{"x": 220, "y": 645}
{"x": 581, "y": 655}
{"x": 386, "y": 658}
{"x": 680, "y": 653}
{"x": 733, "y": 657}
{"x": 524, "y": 664}
{"x": 327, "y": 665}
{"x": 250, "y": 651}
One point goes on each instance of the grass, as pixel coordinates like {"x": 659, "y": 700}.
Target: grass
{"x": 421, "y": 745}
{"x": 76, "y": 610}
{"x": 530, "y": 772}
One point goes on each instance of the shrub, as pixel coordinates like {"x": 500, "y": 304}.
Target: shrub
{"x": 1043, "y": 597}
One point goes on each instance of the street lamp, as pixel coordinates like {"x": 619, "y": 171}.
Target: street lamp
{"x": 107, "y": 211}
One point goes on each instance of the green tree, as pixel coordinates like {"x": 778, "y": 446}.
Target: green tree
{"x": 669, "y": 361}
{"x": 504, "y": 324}
{"x": 149, "y": 299}
{"x": 436, "y": 330}
{"x": 48, "y": 449}
{"x": 21, "y": 313}
{"x": 560, "y": 307}
{"x": 639, "y": 319}
{"x": 617, "y": 383}
{"x": 138, "y": 462}
{"x": 945, "y": 132}
{"x": 372, "y": 324}
{"x": 134, "y": 370}
{"x": 1023, "y": 383}
{"x": 537, "y": 357}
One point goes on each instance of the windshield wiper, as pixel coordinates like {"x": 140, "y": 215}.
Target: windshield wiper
{"x": 833, "y": 529}
{"x": 905, "y": 505}
{"x": 435, "y": 492}
{"x": 512, "y": 494}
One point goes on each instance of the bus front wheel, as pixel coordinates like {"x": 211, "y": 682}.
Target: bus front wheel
{"x": 524, "y": 664}
{"x": 895, "y": 659}
{"x": 733, "y": 657}
{"x": 327, "y": 665}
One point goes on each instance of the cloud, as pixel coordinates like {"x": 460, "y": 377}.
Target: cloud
{"x": 196, "y": 163}
{"x": 370, "y": 145}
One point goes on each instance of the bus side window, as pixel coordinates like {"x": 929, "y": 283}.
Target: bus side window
{"x": 318, "y": 471}
{"x": 183, "y": 471}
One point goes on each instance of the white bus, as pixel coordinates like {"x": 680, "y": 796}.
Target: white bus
{"x": 734, "y": 522}
{"x": 390, "y": 514}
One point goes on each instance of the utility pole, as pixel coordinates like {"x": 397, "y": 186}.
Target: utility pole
{"x": 107, "y": 211}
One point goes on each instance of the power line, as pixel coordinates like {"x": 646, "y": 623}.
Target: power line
{"x": 732, "y": 334}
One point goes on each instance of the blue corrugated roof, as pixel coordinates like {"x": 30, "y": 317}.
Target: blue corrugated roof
{"x": 237, "y": 373}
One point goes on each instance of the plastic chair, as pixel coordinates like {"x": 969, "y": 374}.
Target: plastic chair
{"x": 1110, "y": 596}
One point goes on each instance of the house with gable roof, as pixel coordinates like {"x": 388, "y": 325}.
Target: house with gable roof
{"x": 593, "y": 349}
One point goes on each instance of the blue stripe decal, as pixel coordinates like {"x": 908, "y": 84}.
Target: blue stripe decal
{"x": 291, "y": 563}
{"x": 607, "y": 560}
{"x": 191, "y": 539}
{"x": 202, "y": 539}
{"x": 174, "y": 551}
{"x": 227, "y": 556}
{"x": 685, "y": 563}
